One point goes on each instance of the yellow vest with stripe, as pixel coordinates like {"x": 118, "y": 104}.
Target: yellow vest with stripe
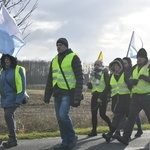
{"x": 118, "y": 87}
{"x": 142, "y": 87}
{"x": 68, "y": 72}
{"x": 100, "y": 87}
{"x": 18, "y": 80}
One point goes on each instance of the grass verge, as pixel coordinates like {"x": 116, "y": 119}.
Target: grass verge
{"x": 79, "y": 131}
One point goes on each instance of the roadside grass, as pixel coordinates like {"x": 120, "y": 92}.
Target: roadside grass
{"x": 79, "y": 131}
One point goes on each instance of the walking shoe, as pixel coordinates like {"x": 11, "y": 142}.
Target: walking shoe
{"x": 92, "y": 133}
{"x": 123, "y": 140}
{"x": 107, "y": 137}
{"x": 10, "y": 144}
{"x": 71, "y": 145}
{"x": 61, "y": 147}
{"x": 117, "y": 133}
{"x": 139, "y": 133}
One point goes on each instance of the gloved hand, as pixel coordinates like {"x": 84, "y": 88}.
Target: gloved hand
{"x": 89, "y": 85}
{"x": 17, "y": 105}
{"x": 143, "y": 77}
{"x": 75, "y": 103}
{"x": 134, "y": 81}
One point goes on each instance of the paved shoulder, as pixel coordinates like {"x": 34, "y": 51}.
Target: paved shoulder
{"x": 85, "y": 143}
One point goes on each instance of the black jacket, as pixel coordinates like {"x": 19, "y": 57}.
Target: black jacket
{"x": 77, "y": 69}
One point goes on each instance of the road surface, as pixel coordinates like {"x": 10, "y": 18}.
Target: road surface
{"x": 85, "y": 143}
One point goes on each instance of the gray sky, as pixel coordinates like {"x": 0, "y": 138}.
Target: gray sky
{"x": 90, "y": 26}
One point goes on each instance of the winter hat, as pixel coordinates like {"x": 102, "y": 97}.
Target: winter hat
{"x": 142, "y": 53}
{"x": 119, "y": 61}
{"x": 62, "y": 41}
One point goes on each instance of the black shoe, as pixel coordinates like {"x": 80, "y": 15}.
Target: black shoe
{"x": 117, "y": 133}
{"x": 61, "y": 147}
{"x": 73, "y": 144}
{"x": 93, "y": 133}
{"x": 10, "y": 144}
{"x": 107, "y": 137}
{"x": 123, "y": 140}
{"x": 139, "y": 133}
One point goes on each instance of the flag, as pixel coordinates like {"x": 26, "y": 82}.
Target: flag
{"x": 9, "y": 33}
{"x": 135, "y": 44}
{"x": 100, "y": 57}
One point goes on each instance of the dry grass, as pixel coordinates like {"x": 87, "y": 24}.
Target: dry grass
{"x": 37, "y": 116}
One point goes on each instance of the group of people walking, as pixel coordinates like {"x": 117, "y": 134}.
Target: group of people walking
{"x": 127, "y": 86}
{"x": 129, "y": 90}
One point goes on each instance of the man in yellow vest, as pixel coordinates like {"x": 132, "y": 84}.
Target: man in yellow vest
{"x": 140, "y": 81}
{"x": 98, "y": 79}
{"x": 65, "y": 83}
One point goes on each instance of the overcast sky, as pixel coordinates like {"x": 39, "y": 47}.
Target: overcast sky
{"x": 90, "y": 26}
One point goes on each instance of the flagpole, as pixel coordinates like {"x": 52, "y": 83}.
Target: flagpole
{"x": 130, "y": 44}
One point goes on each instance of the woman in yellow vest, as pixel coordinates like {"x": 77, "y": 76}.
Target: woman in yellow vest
{"x": 140, "y": 81}
{"x": 120, "y": 94}
{"x": 12, "y": 94}
{"x": 98, "y": 80}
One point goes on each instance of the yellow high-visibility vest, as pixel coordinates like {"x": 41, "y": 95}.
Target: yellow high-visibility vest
{"x": 142, "y": 86}
{"x": 118, "y": 87}
{"x": 68, "y": 72}
{"x": 18, "y": 80}
{"x": 101, "y": 86}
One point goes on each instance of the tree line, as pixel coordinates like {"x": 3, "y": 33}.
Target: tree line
{"x": 37, "y": 71}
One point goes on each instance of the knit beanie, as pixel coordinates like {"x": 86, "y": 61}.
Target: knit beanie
{"x": 142, "y": 53}
{"x": 62, "y": 41}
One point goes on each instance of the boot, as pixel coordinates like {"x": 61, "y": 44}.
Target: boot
{"x": 139, "y": 133}
{"x": 107, "y": 136}
{"x": 11, "y": 142}
{"x": 92, "y": 133}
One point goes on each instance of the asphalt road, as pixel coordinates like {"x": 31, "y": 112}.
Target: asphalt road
{"x": 85, "y": 143}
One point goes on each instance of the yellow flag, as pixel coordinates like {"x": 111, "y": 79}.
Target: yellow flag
{"x": 100, "y": 57}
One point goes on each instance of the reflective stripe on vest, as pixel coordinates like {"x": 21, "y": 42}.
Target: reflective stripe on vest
{"x": 68, "y": 72}
{"x": 118, "y": 87}
{"x": 18, "y": 80}
{"x": 98, "y": 87}
{"x": 142, "y": 87}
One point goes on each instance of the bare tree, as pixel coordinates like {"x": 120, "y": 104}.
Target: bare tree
{"x": 18, "y": 9}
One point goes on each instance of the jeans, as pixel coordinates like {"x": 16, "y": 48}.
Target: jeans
{"x": 9, "y": 118}
{"x": 62, "y": 108}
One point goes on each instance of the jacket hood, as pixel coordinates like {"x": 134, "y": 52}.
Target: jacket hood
{"x": 119, "y": 61}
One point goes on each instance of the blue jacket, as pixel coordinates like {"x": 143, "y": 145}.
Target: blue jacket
{"x": 8, "y": 88}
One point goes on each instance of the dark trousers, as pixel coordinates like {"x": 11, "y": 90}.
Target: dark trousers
{"x": 138, "y": 103}
{"x": 9, "y": 118}
{"x": 95, "y": 106}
